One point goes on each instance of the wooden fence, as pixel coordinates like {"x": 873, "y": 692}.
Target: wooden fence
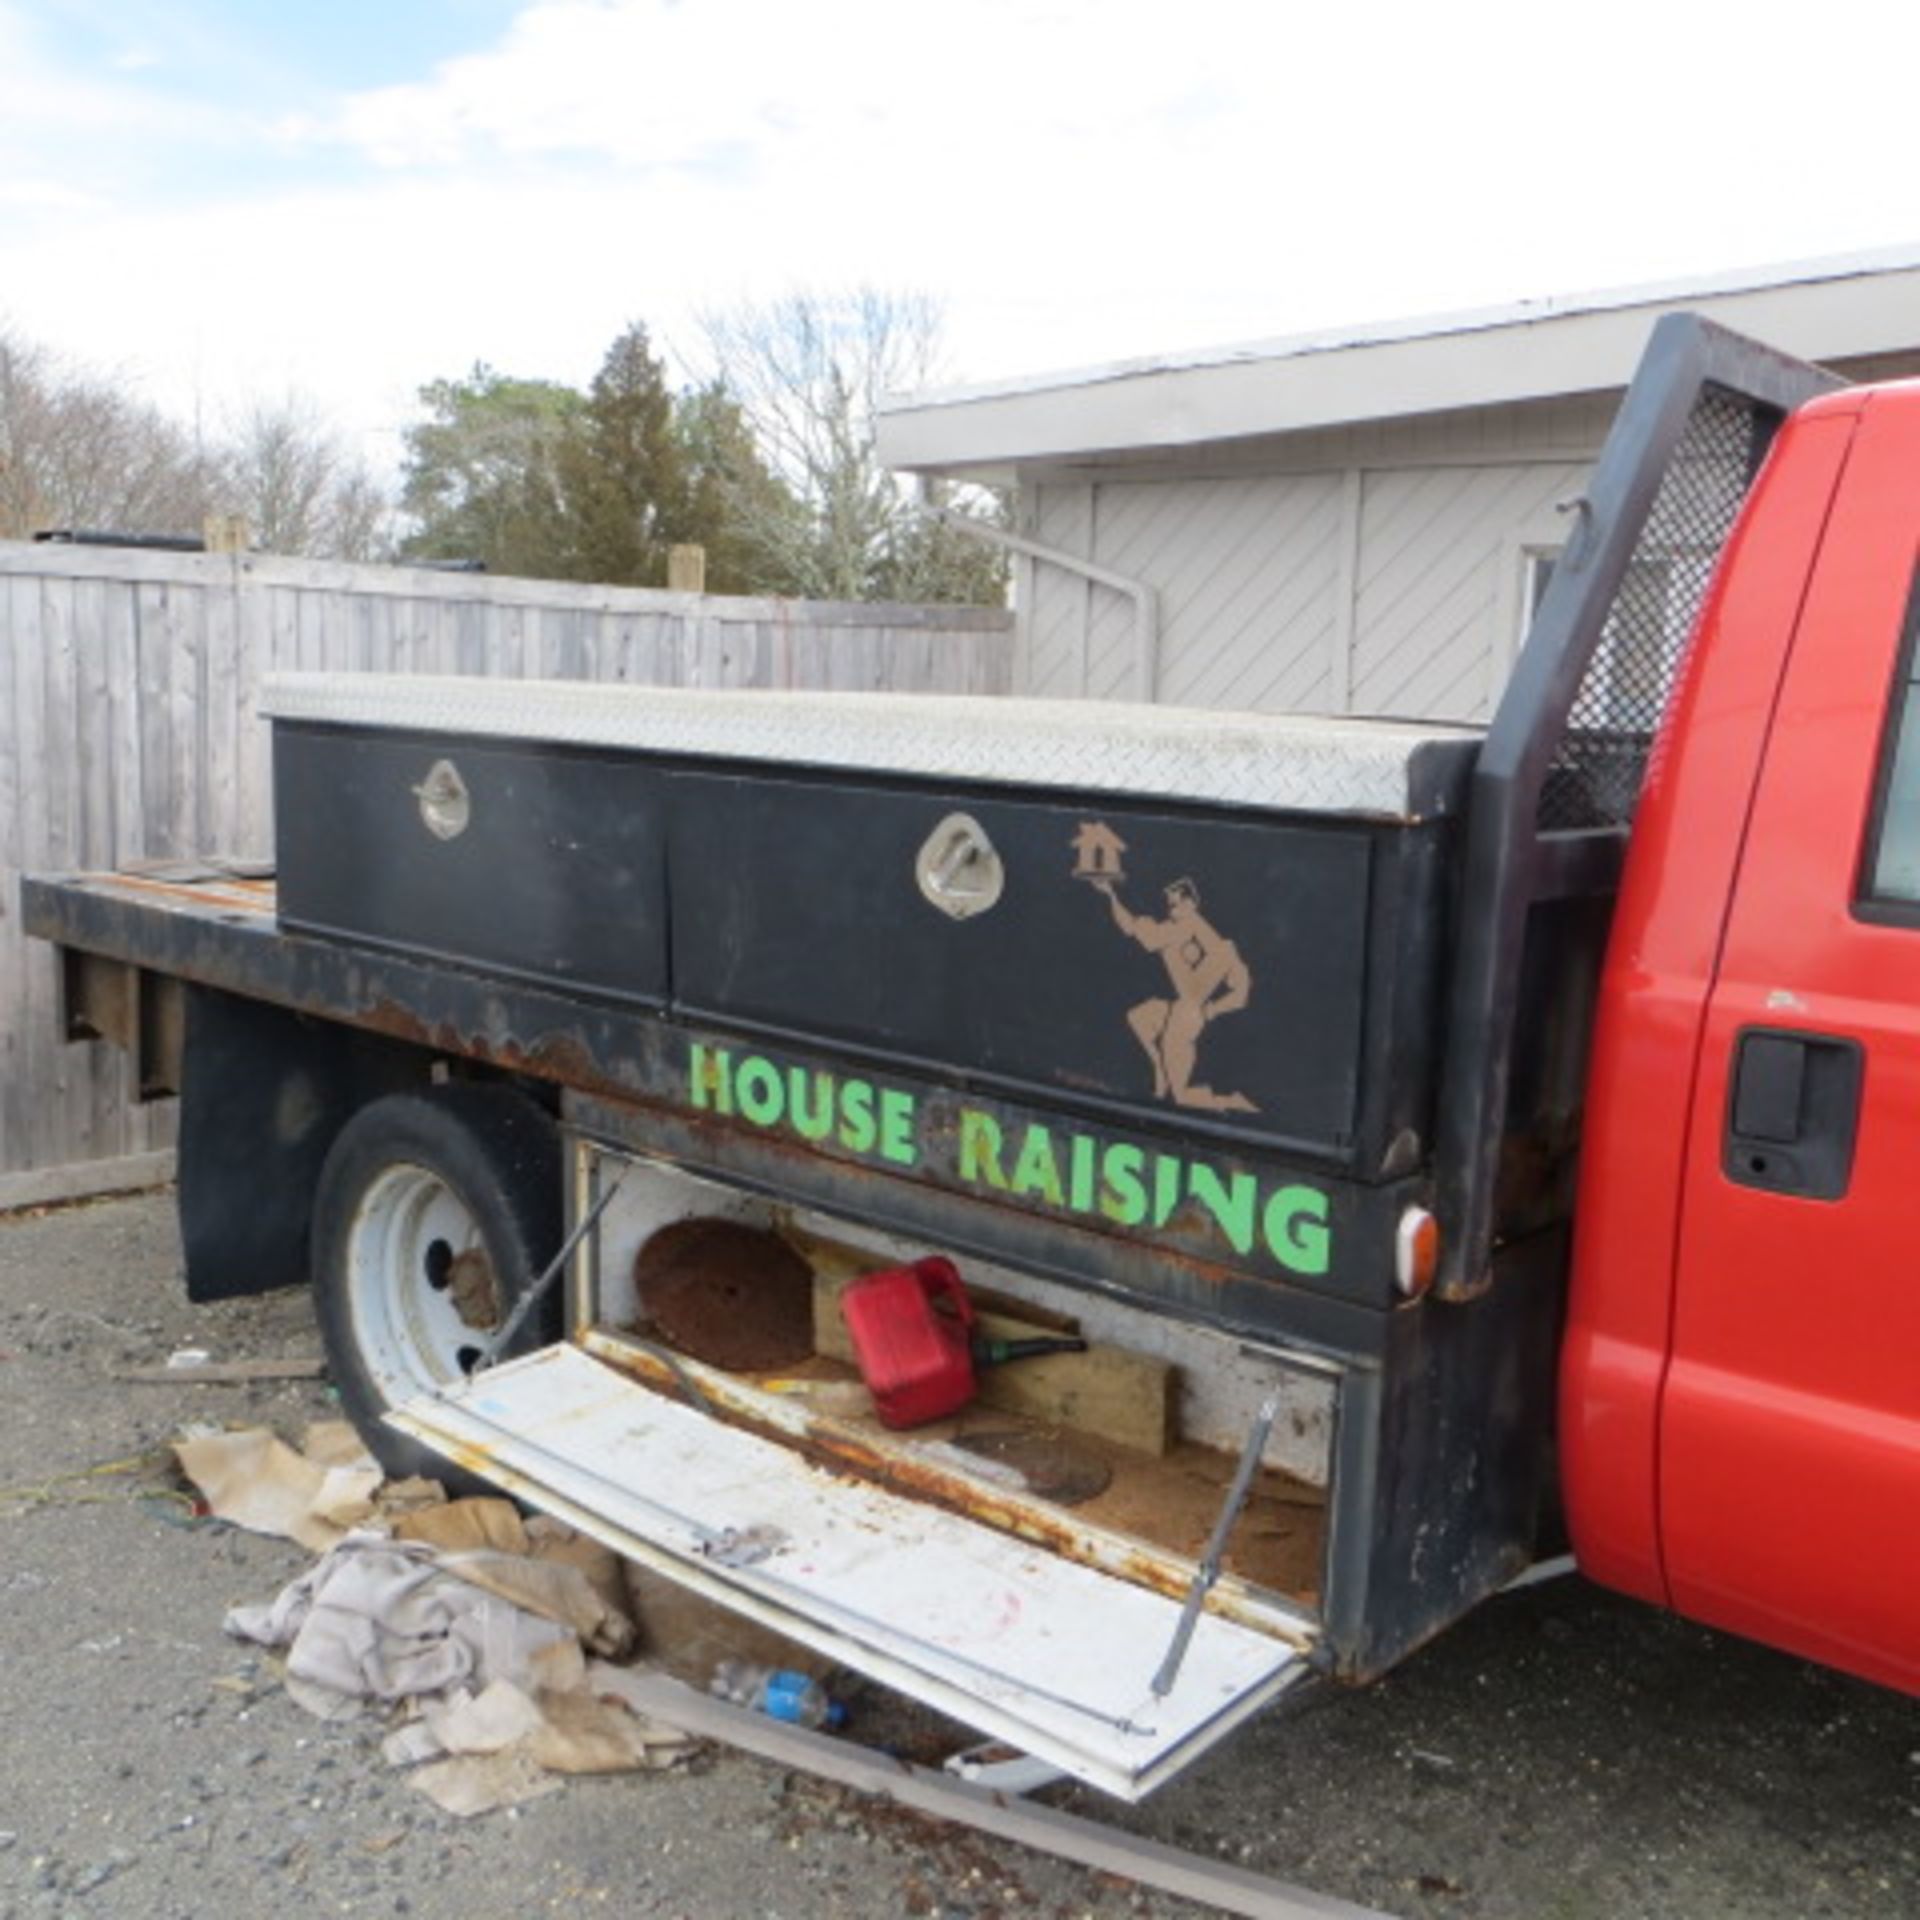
{"x": 128, "y": 732}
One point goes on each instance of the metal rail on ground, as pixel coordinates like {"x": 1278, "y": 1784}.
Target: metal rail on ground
{"x": 1068, "y": 1836}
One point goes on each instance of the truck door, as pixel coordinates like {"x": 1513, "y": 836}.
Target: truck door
{"x": 1789, "y": 1461}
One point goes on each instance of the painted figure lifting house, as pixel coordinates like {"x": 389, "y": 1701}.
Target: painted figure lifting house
{"x": 1207, "y": 978}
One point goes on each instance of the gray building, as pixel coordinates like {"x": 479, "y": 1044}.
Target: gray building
{"x": 1352, "y": 522}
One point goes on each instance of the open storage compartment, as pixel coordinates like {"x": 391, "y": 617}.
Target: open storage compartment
{"x": 1023, "y": 1565}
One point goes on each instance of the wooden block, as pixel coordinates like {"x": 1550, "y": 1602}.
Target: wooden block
{"x": 224, "y": 532}
{"x": 1106, "y": 1391}
{"x": 687, "y": 569}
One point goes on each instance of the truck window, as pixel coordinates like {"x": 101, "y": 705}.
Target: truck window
{"x": 1892, "y": 873}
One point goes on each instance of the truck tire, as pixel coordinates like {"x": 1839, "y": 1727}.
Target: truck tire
{"x": 435, "y": 1211}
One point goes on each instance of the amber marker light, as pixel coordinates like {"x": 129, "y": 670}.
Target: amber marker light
{"x": 1416, "y": 1252}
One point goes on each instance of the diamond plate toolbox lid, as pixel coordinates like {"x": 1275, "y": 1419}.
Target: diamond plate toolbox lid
{"x": 1375, "y": 769}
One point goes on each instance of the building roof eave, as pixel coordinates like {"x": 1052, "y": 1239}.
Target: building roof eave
{"x": 1826, "y": 311}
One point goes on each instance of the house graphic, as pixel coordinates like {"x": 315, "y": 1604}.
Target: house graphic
{"x": 1097, "y": 850}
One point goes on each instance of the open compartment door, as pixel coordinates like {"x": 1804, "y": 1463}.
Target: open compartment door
{"x": 1053, "y": 1657}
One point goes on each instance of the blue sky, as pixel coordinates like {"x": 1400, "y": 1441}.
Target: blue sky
{"x": 214, "y": 48}
{"x": 344, "y": 200}
{"x": 191, "y": 92}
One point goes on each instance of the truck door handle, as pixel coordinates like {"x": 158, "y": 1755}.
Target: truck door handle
{"x": 1793, "y": 1108}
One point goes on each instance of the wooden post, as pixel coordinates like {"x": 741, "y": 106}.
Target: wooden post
{"x": 687, "y": 569}
{"x": 225, "y": 532}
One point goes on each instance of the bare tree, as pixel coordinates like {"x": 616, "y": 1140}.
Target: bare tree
{"x": 298, "y": 488}
{"x": 77, "y": 450}
{"x": 80, "y": 449}
{"x": 361, "y": 519}
{"x": 22, "y": 429}
{"x": 809, "y": 370}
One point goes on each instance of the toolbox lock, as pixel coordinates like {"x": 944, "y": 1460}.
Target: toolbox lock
{"x": 957, "y": 868}
{"x": 444, "y": 806}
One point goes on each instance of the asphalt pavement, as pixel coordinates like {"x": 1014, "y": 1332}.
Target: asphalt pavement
{"x": 1562, "y": 1755}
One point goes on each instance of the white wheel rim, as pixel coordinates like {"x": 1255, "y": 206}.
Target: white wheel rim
{"x": 408, "y": 1326}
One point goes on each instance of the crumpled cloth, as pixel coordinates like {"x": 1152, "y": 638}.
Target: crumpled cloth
{"x": 483, "y": 1647}
{"x": 383, "y": 1619}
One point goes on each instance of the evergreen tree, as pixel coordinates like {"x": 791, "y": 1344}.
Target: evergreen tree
{"x": 623, "y": 471}
{"x": 481, "y": 479}
{"x": 731, "y": 498}
{"x": 649, "y": 469}
{"x": 769, "y": 466}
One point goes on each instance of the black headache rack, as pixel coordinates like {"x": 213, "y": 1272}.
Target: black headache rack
{"x": 1557, "y": 781}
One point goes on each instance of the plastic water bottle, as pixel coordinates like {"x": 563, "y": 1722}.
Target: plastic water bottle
{"x": 778, "y": 1692}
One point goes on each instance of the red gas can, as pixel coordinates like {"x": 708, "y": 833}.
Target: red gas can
{"x": 912, "y": 1331}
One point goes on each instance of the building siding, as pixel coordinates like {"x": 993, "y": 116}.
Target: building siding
{"x": 1439, "y": 586}
{"x": 1379, "y": 569}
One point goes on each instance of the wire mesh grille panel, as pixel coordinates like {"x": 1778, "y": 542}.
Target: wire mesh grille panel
{"x": 1597, "y": 770}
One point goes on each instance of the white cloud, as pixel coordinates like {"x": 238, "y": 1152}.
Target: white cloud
{"x": 650, "y": 83}
{"x": 51, "y": 196}
{"x": 1077, "y": 180}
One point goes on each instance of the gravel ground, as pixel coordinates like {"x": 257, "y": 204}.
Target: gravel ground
{"x": 1561, "y": 1756}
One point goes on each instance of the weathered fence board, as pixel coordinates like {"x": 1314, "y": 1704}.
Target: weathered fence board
{"x": 128, "y": 732}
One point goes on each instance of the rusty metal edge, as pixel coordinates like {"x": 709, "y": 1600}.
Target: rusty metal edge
{"x": 895, "y": 1466}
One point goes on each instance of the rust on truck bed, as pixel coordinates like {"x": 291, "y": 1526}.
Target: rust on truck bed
{"x": 622, "y": 1068}
{"x": 1147, "y": 1527}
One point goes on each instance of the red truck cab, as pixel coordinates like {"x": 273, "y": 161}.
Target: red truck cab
{"x": 1740, "y": 1382}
